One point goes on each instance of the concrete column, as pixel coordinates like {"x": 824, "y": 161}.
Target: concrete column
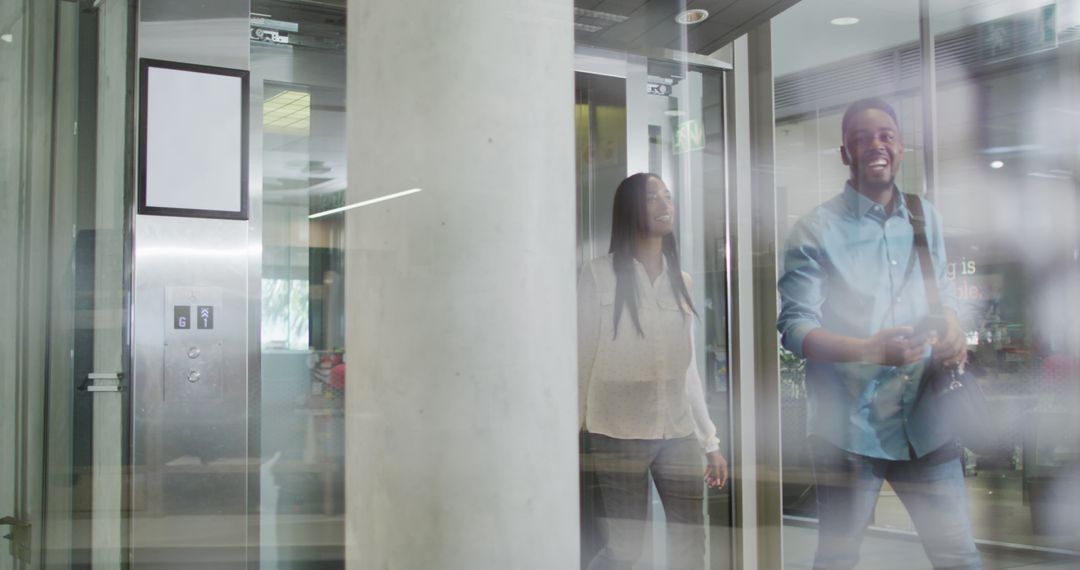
{"x": 461, "y": 350}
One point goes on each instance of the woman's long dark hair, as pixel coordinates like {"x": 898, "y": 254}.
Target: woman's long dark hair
{"x": 629, "y": 224}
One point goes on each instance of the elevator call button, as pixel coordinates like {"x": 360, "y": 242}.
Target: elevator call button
{"x": 181, "y": 317}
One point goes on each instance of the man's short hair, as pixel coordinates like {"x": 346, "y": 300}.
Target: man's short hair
{"x": 863, "y": 105}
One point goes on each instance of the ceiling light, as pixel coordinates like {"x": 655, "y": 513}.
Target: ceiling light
{"x": 288, "y": 112}
{"x": 7, "y": 38}
{"x": 606, "y": 16}
{"x": 996, "y": 164}
{"x": 846, "y": 21}
{"x": 1048, "y": 176}
{"x": 694, "y": 16}
{"x": 674, "y": 113}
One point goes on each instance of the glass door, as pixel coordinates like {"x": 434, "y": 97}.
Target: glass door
{"x": 14, "y": 56}
{"x": 663, "y": 117}
{"x": 29, "y": 40}
{"x": 64, "y": 180}
{"x": 298, "y": 158}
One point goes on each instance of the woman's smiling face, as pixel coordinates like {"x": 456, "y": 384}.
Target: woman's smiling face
{"x": 659, "y": 209}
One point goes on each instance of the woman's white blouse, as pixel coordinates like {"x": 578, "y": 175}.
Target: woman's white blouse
{"x": 633, "y": 386}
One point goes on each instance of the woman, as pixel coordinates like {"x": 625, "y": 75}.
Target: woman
{"x": 640, "y": 401}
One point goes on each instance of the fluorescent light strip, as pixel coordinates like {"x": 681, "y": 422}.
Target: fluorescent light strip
{"x": 1048, "y": 176}
{"x": 366, "y": 203}
{"x": 606, "y": 16}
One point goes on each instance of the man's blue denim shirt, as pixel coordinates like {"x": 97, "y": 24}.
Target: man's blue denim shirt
{"x": 854, "y": 271}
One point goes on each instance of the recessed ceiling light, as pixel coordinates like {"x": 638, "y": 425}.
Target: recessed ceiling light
{"x": 996, "y": 164}
{"x": 7, "y": 38}
{"x": 846, "y": 21}
{"x": 694, "y": 16}
{"x": 674, "y": 113}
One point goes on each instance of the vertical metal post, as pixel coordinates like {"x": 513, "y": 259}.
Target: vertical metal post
{"x": 929, "y": 99}
{"x": 29, "y": 201}
{"x": 56, "y": 532}
{"x": 113, "y": 112}
{"x": 755, "y": 366}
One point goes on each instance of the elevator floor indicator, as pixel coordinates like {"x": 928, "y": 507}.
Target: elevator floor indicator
{"x": 206, "y": 316}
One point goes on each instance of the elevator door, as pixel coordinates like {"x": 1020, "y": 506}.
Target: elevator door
{"x": 634, "y": 114}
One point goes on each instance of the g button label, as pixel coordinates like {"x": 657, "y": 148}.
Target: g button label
{"x": 181, "y": 316}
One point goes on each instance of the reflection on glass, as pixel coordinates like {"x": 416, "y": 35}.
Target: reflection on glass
{"x": 1006, "y": 167}
{"x": 998, "y": 165}
{"x": 641, "y": 401}
{"x": 301, "y": 406}
{"x": 625, "y": 124}
{"x": 856, "y": 303}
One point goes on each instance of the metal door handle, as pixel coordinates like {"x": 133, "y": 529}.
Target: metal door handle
{"x": 19, "y": 547}
{"x": 89, "y": 386}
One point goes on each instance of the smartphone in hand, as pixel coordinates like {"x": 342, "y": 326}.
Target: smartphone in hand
{"x": 931, "y": 324}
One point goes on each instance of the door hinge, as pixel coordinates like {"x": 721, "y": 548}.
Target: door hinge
{"x": 19, "y": 538}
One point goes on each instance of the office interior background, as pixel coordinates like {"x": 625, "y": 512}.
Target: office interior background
{"x": 363, "y": 355}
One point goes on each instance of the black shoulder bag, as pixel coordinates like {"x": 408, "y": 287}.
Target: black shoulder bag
{"x": 953, "y": 395}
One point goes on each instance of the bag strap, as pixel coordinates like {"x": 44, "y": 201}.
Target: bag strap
{"x": 922, "y": 248}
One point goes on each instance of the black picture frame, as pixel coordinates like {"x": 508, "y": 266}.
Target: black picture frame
{"x": 145, "y": 64}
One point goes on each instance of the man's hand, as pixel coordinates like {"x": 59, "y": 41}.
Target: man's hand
{"x": 951, "y": 349}
{"x": 716, "y": 472}
{"x": 895, "y": 347}
{"x": 891, "y": 347}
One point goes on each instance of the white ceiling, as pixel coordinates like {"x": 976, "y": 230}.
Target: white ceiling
{"x": 803, "y": 38}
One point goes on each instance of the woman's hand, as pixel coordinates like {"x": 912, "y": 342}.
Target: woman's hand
{"x": 716, "y": 470}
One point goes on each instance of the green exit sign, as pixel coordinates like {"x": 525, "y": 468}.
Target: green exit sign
{"x": 1019, "y": 34}
{"x": 689, "y": 136}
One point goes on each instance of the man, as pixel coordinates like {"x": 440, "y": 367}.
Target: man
{"x": 852, "y": 297}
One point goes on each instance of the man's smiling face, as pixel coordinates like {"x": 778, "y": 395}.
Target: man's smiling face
{"x": 872, "y": 149}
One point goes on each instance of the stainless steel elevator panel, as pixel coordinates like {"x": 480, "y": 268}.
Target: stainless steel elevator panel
{"x": 192, "y": 476}
{"x": 194, "y": 366}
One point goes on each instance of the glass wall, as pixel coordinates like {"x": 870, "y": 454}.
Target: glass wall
{"x": 988, "y": 139}
{"x": 298, "y": 70}
{"x": 1006, "y": 181}
{"x": 648, "y": 115}
{"x": 998, "y": 164}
